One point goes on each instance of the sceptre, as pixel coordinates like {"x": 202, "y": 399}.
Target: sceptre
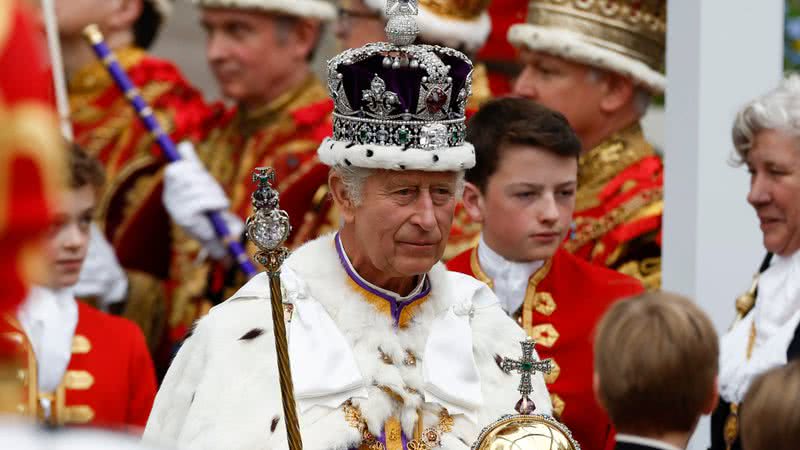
{"x": 268, "y": 228}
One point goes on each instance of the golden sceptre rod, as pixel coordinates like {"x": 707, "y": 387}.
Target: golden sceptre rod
{"x": 269, "y": 228}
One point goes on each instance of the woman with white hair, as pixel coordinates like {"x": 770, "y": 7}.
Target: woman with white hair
{"x": 766, "y": 135}
{"x": 387, "y": 348}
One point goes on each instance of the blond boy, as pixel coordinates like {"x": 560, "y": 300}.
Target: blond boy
{"x": 655, "y": 370}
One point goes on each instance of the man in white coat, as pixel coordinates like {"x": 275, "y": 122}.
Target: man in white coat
{"x": 388, "y": 349}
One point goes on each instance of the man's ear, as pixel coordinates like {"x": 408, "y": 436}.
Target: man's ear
{"x": 306, "y": 33}
{"x": 341, "y": 197}
{"x": 125, "y": 15}
{"x": 473, "y": 202}
{"x": 618, "y": 91}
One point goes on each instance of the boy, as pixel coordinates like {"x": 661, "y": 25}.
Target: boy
{"x": 522, "y": 192}
{"x": 656, "y": 389}
{"x": 84, "y": 366}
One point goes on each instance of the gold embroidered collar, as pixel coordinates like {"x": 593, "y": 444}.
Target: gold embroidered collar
{"x": 309, "y": 91}
{"x": 94, "y": 76}
{"x": 601, "y": 164}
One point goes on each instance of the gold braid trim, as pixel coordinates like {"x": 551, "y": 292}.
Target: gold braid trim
{"x": 430, "y": 438}
{"x": 601, "y": 164}
{"x": 590, "y": 228}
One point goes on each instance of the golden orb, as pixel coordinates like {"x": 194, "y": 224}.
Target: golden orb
{"x": 526, "y": 432}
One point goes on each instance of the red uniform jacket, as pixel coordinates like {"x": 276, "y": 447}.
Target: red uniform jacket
{"x": 564, "y": 301}
{"x": 109, "y": 382}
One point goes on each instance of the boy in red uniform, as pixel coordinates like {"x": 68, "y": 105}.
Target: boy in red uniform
{"x": 83, "y": 366}
{"x": 522, "y": 192}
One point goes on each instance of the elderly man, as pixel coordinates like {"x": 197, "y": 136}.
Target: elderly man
{"x": 598, "y": 65}
{"x": 387, "y": 347}
{"x": 461, "y": 25}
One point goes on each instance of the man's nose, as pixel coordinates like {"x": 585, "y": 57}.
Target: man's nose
{"x": 425, "y": 216}
{"x": 525, "y": 84}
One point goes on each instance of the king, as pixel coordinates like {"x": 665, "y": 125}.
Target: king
{"x": 387, "y": 349}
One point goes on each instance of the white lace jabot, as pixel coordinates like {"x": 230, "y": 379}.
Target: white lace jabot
{"x": 775, "y": 317}
{"x": 510, "y": 278}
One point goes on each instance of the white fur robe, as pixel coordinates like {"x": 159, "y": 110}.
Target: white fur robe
{"x": 222, "y": 391}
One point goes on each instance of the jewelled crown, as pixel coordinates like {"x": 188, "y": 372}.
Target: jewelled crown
{"x": 399, "y": 106}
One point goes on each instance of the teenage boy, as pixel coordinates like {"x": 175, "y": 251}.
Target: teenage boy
{"x": 656, "y": 389}
{"x": 83, "y": 366}
{"x": 522, "y": 192}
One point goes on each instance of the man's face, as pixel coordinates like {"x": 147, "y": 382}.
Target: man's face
{"x": 68, "y": 239}
{"x": 358, "y": 24}
{"x": 561, "y": 85}
{"x": 527, "y": 207}
{"x": 74, "y": 15}
{"x": 248, "y": 52}
{"x": 774, "y": 165}
{"x": 403, "y": 220}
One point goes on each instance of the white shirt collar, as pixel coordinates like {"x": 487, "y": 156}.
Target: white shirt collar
{"x": 649, "y": 442}
{"x": 49, "y": 318}
{"x": 510, "y": 278}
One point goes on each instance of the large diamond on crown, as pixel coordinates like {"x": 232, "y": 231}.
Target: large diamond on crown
{"x": 432, "y": 136}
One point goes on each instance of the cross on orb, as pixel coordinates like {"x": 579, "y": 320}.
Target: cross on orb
{"x": 526, "y": 367}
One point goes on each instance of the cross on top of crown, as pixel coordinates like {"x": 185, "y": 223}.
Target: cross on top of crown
{"x": 526, "y": 367}
{"x": 401, "y": 8}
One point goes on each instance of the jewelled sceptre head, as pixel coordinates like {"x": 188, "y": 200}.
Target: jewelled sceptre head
{"x": 268, "y": 228}
{"x": 526, "y": 430}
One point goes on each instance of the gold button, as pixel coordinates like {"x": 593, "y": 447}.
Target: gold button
{"x": 21, "y": 408}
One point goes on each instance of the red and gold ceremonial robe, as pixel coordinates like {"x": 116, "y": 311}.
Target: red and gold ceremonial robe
{"x": 131, "y": 210}
{"x": 284, "y": 135}
{"x": 109, "y": 382}
{"x": 564, "y": 301}
{"x": 618, "y": 207}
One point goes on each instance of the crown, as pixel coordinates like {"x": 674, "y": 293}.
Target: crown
{"x": 626, "y": 36}
{"x": 399, "y": 106}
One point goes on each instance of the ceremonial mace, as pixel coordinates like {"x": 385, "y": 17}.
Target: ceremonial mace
{"x": 95, "y": 37}
{"x": 269, "y": 228}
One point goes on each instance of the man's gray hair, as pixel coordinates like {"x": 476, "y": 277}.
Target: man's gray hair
{"x": 354, "y": 177}
{"x": 777, "y": 110}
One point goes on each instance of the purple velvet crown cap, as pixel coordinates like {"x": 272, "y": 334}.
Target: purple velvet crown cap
{"x": 406, "y": 82}
{"x": 400, "y": 108}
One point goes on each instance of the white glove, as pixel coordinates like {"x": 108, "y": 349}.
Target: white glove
{"x": 101, "y": 276}
{"x": 189, "y": 193}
